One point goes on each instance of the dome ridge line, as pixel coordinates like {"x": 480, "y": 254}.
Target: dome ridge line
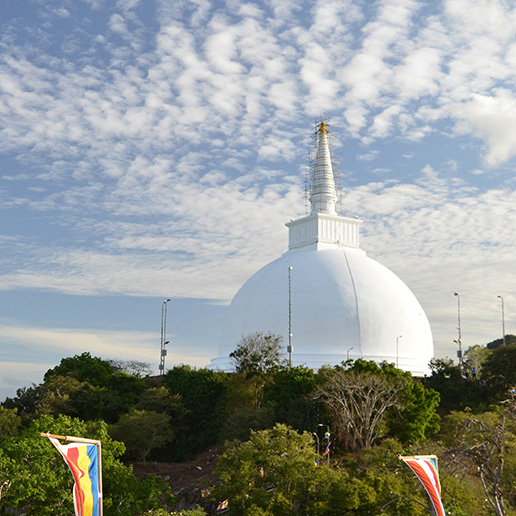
{"x": 356, "y": 301}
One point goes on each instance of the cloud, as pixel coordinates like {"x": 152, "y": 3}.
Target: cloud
{"x": 49, "y": 344}
{"x": 166, "y": 148}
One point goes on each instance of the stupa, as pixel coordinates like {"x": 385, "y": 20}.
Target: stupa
{"x": 341, "y": 304}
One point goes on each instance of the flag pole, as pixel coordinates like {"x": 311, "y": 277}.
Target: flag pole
{"x": 101, "y": 494}
{"x": 94, "y": 442}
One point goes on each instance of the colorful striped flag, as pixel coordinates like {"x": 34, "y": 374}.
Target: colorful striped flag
{"x": 82, "y": 459}
{"x": 223, "y": 505}
{"x": 261, "y": 471}
{"x": 327, "y": 449}
{"x": 425, "y": 468}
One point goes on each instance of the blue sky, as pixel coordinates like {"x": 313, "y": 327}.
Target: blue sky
{"x": 155, "y": 149}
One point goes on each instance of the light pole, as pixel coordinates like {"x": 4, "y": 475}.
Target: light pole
{"x": 459, "y": 340}
{"x": 397, "y": 349}
{"x": 327, "y": 437}
{"x": 347, "y": 354}
{"x": 503, "y": 320}
{"x": 318, "y": 444}
{"x": 290, "y": 348}
{"x": 164, "y": 341}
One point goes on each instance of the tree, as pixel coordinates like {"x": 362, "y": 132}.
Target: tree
{"x": 82, "y": 386}
{"x": 160, "y": 399}
{"x": 257, "y": 357}
{"x": 275, "y": 472}
{"x": 201, "y": 392}
{"x": 258, "y": 353}
{"x": 358, "y": 401}
{"x": 132, "y": 367}
{"x": 10, "y": 422}
{"x": 416, "y": 418}
{"x": 142, "y": 431}
{"x": 84, "y": 368}
{"x": 499, "y": 371}
{"x": 456, "y": 391}
{"x": 498, "y": 343}
{"x": 483, "y": 442}
{"x": 474, "y": 359}
{"x": 290, "y": 394}
{"x": 40, "y": 484}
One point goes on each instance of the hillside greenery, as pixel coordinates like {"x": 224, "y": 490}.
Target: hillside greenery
{"x": 292, "y": 441}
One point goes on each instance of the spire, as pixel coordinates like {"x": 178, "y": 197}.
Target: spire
{"x": 323, "y": 195}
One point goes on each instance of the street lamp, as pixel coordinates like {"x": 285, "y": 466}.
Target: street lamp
{"x": 290, "y": 348}
{"x": 318, "y": 443}
{"x": 327, "y": 436}
{"x": 503, "y": 320}
{"x": 347, "y": 354}
{"x": 459, "y": 340}
{"x": 164, "y": 341}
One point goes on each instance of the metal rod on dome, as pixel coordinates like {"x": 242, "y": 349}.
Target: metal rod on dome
{"x": 164, "y": 342}
{"x": 290, "y": 347}
{"x": 459, "y": 341}
{"x": 503, "y": 320}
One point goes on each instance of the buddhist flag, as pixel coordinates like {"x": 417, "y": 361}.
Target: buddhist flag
{"x": 83, "y": 459}
{"x": 425, "y": 468}
{"x": 223, "y": 506}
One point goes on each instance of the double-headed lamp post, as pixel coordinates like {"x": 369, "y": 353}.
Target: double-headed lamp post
{"x": 459, "y": 340}
{"x": 290, "y": 348}
{"x": 503, "y": 319}
{"x": 164, "y": 341}
{"x": 327, "y": 436}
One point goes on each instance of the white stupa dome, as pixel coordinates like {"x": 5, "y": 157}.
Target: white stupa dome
{"x": 343, "y": 304}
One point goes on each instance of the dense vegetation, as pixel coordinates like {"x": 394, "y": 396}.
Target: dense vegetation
{"x": 293, "y": 441}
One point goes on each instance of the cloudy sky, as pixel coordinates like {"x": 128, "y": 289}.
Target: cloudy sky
{"x": 155, "y": 149}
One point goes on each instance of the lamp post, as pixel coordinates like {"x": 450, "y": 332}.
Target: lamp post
{"x": 164, "y": 341}
{"x": 397, "y": 349}
{"x": 290, "y": 348}
{"x": 503, "y": 320}
{"x": 318, "y": 444}
{"x": 327, "y": 436}
{"x": 459, "y": 340}
{"x": 347, "y": 354}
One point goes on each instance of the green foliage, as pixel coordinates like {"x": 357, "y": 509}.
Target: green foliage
{"x": 288, "y": 383}
{"x": 416, "y": 418}
{"x": 474, "y": 360}
{"x": 258, "y": 353}
{"x": 201, "y": 392}
{"x": 289, "y": 394}
{"x": 41, "y": 484}
{"x": 84, "y": 368}
{"x": 163, "y": 512}
{"x": 10, "y": 422}
{"x": 499, "y": 371}
{"x": 160, "y": 399}
{"x": 359, "y": 399}
{"x": 456, "y": 392}
{"x": 485, "y": 443}
{"x": 372, "y": 482}
{"x": 81, "y": 386}
{"x": 142, "y": 431}
{"x": 498, "y": 343}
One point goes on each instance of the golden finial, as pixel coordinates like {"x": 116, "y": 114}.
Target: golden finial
{"x": 323, "y": 129}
